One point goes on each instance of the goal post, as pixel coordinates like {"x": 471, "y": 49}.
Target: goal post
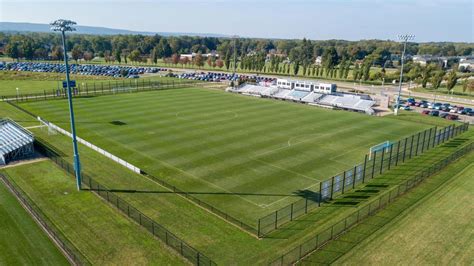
{"x": 379, "y": 147}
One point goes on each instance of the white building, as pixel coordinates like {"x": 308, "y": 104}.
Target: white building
{"x": 307, "y": 85}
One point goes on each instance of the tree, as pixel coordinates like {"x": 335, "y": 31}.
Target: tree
{"x": 296, "y": 68}
{"x": 76, "y": 52}
{"x": 118, "y": 56}
{"x": 219, "y": 63}
{"x": 88, "y": 56}
{"x": 134, "y": 56}
{"x": 355, "y": 72}
{"x": 199, "y": 60}
{"x": 468, "y": 86}
{"x": 12, "y": 50}
{"x": 175, "y": 59}
{"x": 163, "y": 49}
{"x": 57, "y": 53}
{"x": 437, "y": 78}
{"x": 27, "y": 49}
{"x": 425, "y": 75}
{"x": 451, "y": 80}
{"x": 209, "y": 61}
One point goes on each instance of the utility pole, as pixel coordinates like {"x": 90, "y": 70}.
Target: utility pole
{"x": 405, "y": 38}
{"x": 62, "y": 26}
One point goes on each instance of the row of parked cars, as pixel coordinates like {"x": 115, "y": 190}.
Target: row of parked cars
{"x": 217, "y": 77}
{"x": 443, "y": 110}
{"x": 95, "y": 70}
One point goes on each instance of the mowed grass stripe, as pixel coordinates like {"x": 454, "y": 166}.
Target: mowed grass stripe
{"x": 208, "y": 141}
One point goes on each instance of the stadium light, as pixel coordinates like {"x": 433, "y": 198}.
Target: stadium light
{"x": 235, "y": 37}
{"x": 405, "y": 38}
{"x": 64, "y": 25}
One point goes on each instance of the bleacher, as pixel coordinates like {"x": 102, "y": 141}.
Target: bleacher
{"x": 15, "y": 141}
{"x": 349, "y": 101}
{"x": 359, "y": 103}
{"x": 297, "y": 95}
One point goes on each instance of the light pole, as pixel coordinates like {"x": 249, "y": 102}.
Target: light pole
{"x": 63, "y": 25}
{"x": 405, "y": 38}
{"x": 235, "y": 57}
{"x": 17, "y": 93}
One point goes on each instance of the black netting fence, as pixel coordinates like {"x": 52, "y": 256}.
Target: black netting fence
{"x": 191, "y": 254}
{"x": 339, "y": 228}
{"x": 374, "y": 165}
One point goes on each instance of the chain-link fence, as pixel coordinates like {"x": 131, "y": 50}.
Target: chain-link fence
{"x": 188, "y": 252}
{"x": 69, "y": 250}
{"x": 102, "y": 88}
{"x": 374, "y": 165}
{"x": 375, "y": 205}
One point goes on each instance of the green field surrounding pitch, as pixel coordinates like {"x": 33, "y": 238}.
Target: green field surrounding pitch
{"x": 246, "y": 156}
{"x": 100, "y": 233}
{"x": 436, "y": 230}
{"x": 22, "y": 242}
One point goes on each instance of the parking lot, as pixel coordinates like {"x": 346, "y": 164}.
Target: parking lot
{"x": 441, "y": 110}
{"x": 93, "y": 70}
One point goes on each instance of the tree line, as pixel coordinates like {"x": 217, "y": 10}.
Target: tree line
{"x": 340, "y": 58}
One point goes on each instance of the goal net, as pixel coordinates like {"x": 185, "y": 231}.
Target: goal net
{"x": 384, "y": 146}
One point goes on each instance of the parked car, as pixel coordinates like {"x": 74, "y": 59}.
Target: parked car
{"x": 452, "y": 117}
{"x": 406, "y": 108}
{"x": 434, "y": 113}
{"x": 443, "y": 115}
{"x": 436, "y": 106}
{"x": 466, "y": 111}
{"x": 425, "y": 112}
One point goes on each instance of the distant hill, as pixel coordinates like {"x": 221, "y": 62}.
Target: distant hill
{"x": 36, "y": 27}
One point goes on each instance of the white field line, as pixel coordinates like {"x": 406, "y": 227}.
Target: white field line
{"x": 284, "y": 169}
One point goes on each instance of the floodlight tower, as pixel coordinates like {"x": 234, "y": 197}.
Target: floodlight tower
{"x": 63, "y": 25}
{"x": 235, "y": 55}
{"x": 405, "y": 38}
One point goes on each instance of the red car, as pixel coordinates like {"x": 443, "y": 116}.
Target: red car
{"x": 452, "y": 117}
{"x": 425, "y": 112}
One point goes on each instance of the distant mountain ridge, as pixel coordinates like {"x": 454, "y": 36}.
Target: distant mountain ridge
{"x": 37, "y": 27}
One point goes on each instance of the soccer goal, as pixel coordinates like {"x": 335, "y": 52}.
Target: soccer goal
{"x": 384, "y": 146}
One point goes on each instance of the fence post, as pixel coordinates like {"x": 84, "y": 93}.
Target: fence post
{"x": 417, "y": 143}
{"x": 411, "y": 145}
{"x": 365, "y": 165}
{"x": 423, "y": 143}
{"x": 405, "y": 149}
{"x": 398, "y": 152}
{"x": 258, "y": 229}
{"x": 381, "y": 161}
{"x": 332, "y": 187}
{"x": 390, "y": 156}
{"x": 320, "y": 193}
{"x": 354, "y": 177}
{"x": 429, "y": 140}
{"x": 343, "y": 181}
{"x": 373, "y": 164}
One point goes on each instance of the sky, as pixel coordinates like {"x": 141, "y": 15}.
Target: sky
{"x": 428, "y": 20}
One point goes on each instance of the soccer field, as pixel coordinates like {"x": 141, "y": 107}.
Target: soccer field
{"x": 244, "y": 155}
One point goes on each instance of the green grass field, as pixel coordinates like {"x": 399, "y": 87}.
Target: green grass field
{"x": 435, "y": 231}
{"x": 221, "y": 241}
{"x": 246, "y": 156}
{"x": 98, "y": 231}
{"x": 22, "y": 242}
